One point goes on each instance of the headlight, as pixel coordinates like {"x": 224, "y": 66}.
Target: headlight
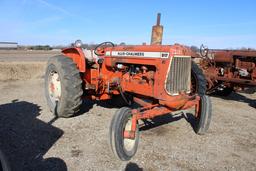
{"x": 78, "y": 43}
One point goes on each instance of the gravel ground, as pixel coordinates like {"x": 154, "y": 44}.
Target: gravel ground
{"x": 33, "y": 139}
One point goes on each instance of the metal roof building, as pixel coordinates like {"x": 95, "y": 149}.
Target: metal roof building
{"x": 8, "y": 45}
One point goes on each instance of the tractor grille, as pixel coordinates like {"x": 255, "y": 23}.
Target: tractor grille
{"x": 178, "y": 79}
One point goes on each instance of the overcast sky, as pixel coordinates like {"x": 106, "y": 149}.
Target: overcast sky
{"x": 218, "y": 24}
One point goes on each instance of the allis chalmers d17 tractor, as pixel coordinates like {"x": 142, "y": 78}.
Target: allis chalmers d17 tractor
{"x": 161, "y": 79}
{"x": 228, "y": 70}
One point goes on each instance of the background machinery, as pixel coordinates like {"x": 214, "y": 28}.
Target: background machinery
{"x": 228, "y": 70}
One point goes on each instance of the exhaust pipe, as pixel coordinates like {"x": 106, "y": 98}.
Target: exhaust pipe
{"x": 157, "y": 32}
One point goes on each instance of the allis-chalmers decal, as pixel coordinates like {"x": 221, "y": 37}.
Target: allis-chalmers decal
{"x": 138, "y": 54}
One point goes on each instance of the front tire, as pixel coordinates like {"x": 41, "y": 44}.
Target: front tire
{"x": 63, "y": 86}
{"x": 198, "y": 81}
{"x": 203, "y": 119}
{"x": 123, "y": 148}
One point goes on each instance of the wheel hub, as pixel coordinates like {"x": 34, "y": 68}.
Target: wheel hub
{"x": 129, "y": 143}
{"x": 54, "y": 86}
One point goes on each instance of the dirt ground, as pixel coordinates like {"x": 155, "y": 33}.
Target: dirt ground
{"x": 33, "y": 139}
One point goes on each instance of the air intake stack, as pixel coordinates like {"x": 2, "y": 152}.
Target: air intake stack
{"x": 157, "y": 32}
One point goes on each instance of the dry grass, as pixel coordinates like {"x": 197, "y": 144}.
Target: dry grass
{"x": 21, "y": 70}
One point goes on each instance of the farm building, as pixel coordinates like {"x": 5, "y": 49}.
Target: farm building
{"x": 8, "y": 45}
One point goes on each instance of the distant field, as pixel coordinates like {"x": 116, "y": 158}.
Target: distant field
{"x": 22, "y": 64}
{"x": 26, "y": 55}
{"x": 21, "y": 70}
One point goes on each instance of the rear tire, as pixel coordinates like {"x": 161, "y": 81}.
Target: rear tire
{"x": 123, "y": 148}
{"x": 67, "y": 101}
{"x": 203, "y": 119}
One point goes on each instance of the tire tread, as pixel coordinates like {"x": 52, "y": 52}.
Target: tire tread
{"x": 71, "y": 86}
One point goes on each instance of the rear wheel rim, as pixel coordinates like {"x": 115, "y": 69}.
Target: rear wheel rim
{"x": 54, "y": 86}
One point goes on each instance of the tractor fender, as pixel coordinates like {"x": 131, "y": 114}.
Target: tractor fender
{"x": 78, "y": 57}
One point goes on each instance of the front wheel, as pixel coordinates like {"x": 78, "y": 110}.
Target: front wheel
{"x": 204, "y": 116}
{"x": 198, "y": 81}
{"x": 123, "y": 148}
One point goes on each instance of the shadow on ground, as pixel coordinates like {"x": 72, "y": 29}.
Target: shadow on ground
{"x": 87, "y": 105}
{"x": 132, "y": 167}
{"x": 168, "y": 118}
{"x": 25, "y": 139}
{"x": 238, "y": 97}
{"x": 159, "y": 121}
{"x": 241, "y": 98}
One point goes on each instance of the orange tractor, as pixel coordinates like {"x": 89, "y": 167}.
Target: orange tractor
{"x": 162, "y": 79}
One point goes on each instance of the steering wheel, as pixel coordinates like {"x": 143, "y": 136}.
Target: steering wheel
{"x": 100, "y": 49}
{"x": 204, "y": 51}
